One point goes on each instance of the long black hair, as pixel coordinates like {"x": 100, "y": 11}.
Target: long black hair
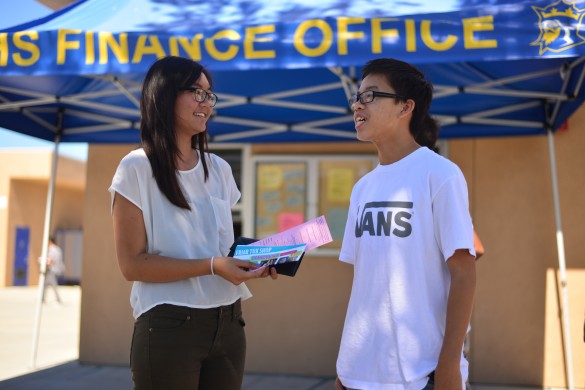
{"x": 407, "y": 81}
{"x": 428, "y": 133}
{"x": 165, "y": 79}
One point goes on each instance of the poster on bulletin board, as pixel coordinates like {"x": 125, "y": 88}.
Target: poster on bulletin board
{"x": 281, "y": 193}
{"x": 336, "y": 180}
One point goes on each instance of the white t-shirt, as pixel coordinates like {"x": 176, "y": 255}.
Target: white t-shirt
{"x": 204, "y": 231}
{"x": 405, "y": 220}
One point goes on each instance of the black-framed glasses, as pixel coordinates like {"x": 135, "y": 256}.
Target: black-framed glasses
{"x": 368, "y": 97}
{"x": 201, "y": 95}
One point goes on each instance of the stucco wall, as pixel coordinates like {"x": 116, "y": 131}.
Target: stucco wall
{"x": 516, "y": 316}
{"x": 294, "y": 324}
{"x": 106, "y": 319}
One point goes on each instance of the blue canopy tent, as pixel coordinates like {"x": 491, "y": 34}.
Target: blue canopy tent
{"x": 284, "y": 70}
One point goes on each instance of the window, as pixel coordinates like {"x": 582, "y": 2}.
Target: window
{"x": 281, "y": 194}
{"x": 336, "y": 180}
{"x": 289, "y": 190}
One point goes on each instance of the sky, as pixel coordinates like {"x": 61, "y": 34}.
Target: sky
{"x": 13, "y": 13}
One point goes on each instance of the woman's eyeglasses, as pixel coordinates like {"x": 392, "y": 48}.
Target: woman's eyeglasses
{"x": 200, "y": 95}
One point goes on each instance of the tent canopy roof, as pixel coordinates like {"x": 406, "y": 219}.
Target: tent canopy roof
{"x": 284, "y": 70}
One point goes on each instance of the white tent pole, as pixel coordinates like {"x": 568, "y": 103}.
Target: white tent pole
{"x": 562, "y": 265}
{"x": 45, "y": 247}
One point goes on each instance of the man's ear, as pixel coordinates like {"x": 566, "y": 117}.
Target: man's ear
{"x": 408, "y": 107}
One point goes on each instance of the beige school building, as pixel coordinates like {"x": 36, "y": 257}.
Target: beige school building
{"x": 24, "y": 182}
{"x": 294, "y": 324}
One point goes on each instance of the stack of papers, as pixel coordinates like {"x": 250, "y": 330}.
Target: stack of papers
{"x": 283, "y": 251}
{"x": 270, "y": 255}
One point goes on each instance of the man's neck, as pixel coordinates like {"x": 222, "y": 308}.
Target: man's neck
{"x": 391, "y": 153}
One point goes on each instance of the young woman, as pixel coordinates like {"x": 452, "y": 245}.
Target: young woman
{"x": 171, "y": 202}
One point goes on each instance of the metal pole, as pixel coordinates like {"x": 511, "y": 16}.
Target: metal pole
{"x": 45, "y": 247}
{"x": 562, "y": 265}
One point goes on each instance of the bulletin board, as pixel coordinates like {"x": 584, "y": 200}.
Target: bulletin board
{"x": 336, "y": 180}
{"x": 281, "y": 196}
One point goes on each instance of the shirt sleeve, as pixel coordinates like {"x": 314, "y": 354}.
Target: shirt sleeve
{"x": 126, "y": 182}
{"x": 453, "y": 226}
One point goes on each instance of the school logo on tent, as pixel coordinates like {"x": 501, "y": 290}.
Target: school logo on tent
{"x": 560, "y": 25}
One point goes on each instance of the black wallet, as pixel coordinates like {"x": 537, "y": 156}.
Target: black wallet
{"x": 288, "y": 268}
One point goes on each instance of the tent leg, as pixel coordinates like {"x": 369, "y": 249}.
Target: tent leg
{"x": 44, "y": 251}
{"x": 562, "y": 266}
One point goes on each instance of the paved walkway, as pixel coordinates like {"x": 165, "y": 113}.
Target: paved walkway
{"x": 56, "y": 364}
{"x": 58, "y": 339}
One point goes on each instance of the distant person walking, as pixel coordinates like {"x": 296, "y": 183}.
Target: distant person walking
{"x": 55, "y": 268}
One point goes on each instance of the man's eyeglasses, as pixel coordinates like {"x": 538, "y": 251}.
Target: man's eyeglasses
{"x": 200, "y": 95}
{"x": 368, "y": 97}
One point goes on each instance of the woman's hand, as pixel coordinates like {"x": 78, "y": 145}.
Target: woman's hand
{"x": 237, "y": 271}
{"x": 339, "y": 385}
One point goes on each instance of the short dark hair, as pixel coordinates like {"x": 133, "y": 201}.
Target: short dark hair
{"x": 162, "y": 84}
{"x": 407, "y": 81}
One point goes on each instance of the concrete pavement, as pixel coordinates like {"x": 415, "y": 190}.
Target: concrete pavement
{"x": 56, "y": 361}
{"x": 58, "y": 339}
{"x": 56, "y": 364}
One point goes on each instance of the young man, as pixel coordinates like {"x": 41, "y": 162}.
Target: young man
{"x": 409, "y": 237}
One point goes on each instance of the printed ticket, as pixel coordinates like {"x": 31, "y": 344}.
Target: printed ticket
{"x": 270, "y": 255}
